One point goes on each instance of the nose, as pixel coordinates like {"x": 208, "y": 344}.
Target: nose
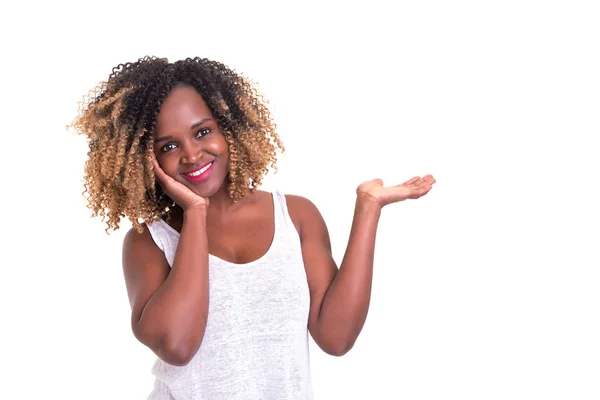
{"x": 191, "y": 154}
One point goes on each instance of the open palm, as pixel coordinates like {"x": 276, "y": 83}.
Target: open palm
{"x": 384, "y": 195}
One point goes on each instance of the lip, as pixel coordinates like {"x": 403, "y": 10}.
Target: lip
{"x": 202, "y": 177}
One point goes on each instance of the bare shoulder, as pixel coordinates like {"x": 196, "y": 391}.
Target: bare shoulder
{"x": 303, "y": 212}
{"x": 140, "y": 246}
{"x": 144, "y": 267}
{"x": 135, "y": 240}
{"x": 299, "y": 204}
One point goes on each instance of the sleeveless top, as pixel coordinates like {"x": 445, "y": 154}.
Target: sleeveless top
{"x": 255, "y": 345}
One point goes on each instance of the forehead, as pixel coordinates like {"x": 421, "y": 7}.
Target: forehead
{"x": 182, "y": 107}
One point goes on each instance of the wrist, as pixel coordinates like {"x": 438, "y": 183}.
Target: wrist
{"x": 194, "y": 212}
{"x": 367, "y": 203}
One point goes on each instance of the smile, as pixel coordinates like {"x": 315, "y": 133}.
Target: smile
{"x": 200, "y": 171}
{"x": 200, "y": 174}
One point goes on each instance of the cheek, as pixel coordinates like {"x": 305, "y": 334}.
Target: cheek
{"x": 168, "y": 164}
{"x": 219, "y": 146}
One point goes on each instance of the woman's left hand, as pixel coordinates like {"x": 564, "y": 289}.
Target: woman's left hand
{"x": 384, "y": 195}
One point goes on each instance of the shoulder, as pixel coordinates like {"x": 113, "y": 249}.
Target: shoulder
{"x": 141, "y": 252}
{"x": 134, "y": 240}
{"x": 299, "y": 204}
{"x": 303, "y": 212}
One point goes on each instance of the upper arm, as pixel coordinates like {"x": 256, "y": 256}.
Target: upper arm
{"x": 145, "y": 269}
{"x": 316, "y": 252}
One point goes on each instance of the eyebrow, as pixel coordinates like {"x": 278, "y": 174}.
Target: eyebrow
{"x": 193, "y": 126}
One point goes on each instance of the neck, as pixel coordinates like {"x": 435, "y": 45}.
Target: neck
{"x": 221, "y": 203}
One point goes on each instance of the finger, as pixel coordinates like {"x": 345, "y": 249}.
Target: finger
{"x": 412, "y": 184}
{"x": 410, "y": 181}
{"x": 416, "y": 189}
{"x": 155, "y": 161}
{"x": 429, "y": 179}
{"x": 158, "y": 171}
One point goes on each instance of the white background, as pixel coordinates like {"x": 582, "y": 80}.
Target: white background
{"x": 487, "y": 288}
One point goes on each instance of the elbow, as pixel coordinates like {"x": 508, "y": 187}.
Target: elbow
{"x": 335, "y": 341}
{"x": 337, "y": 348}
{"x": 176, "y": 354}
{"x": 172, "y": 350}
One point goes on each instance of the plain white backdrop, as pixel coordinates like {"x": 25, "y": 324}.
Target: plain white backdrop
{"x": 487, "y": 288}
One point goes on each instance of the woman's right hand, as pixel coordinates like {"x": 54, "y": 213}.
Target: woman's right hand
{"x": 181, "y": 194}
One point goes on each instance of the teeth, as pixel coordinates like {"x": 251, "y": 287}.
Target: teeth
{"x": 200, "y": 171}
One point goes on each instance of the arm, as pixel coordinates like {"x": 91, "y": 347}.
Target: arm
{"x": 340, "y": 298}
{"x": 169, "y": 306}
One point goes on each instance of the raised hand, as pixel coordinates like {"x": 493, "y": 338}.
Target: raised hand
{"x": 384, "y": 195}
{"x": 181, "y": 194}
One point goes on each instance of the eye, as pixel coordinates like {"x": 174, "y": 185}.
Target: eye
{"x": 203, "y": 132}
{"x": 168, "y": 147}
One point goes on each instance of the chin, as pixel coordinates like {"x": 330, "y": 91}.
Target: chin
{"x": 208, "y": 189}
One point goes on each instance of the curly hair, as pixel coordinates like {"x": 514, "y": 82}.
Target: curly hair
{"x": 119, "y": 119}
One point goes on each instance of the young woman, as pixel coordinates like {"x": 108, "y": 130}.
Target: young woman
{"x": 225, "y": 281}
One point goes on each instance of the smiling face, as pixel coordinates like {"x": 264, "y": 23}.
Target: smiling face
{"x": 189, "y": 145}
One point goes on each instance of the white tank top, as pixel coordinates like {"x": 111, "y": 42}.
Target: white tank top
{"x": 255, "y": 345}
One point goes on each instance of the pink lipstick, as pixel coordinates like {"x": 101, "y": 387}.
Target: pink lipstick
{"x": 199, "y": 174}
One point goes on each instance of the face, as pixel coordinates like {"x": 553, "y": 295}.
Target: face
{"x": 188, "y": 145}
